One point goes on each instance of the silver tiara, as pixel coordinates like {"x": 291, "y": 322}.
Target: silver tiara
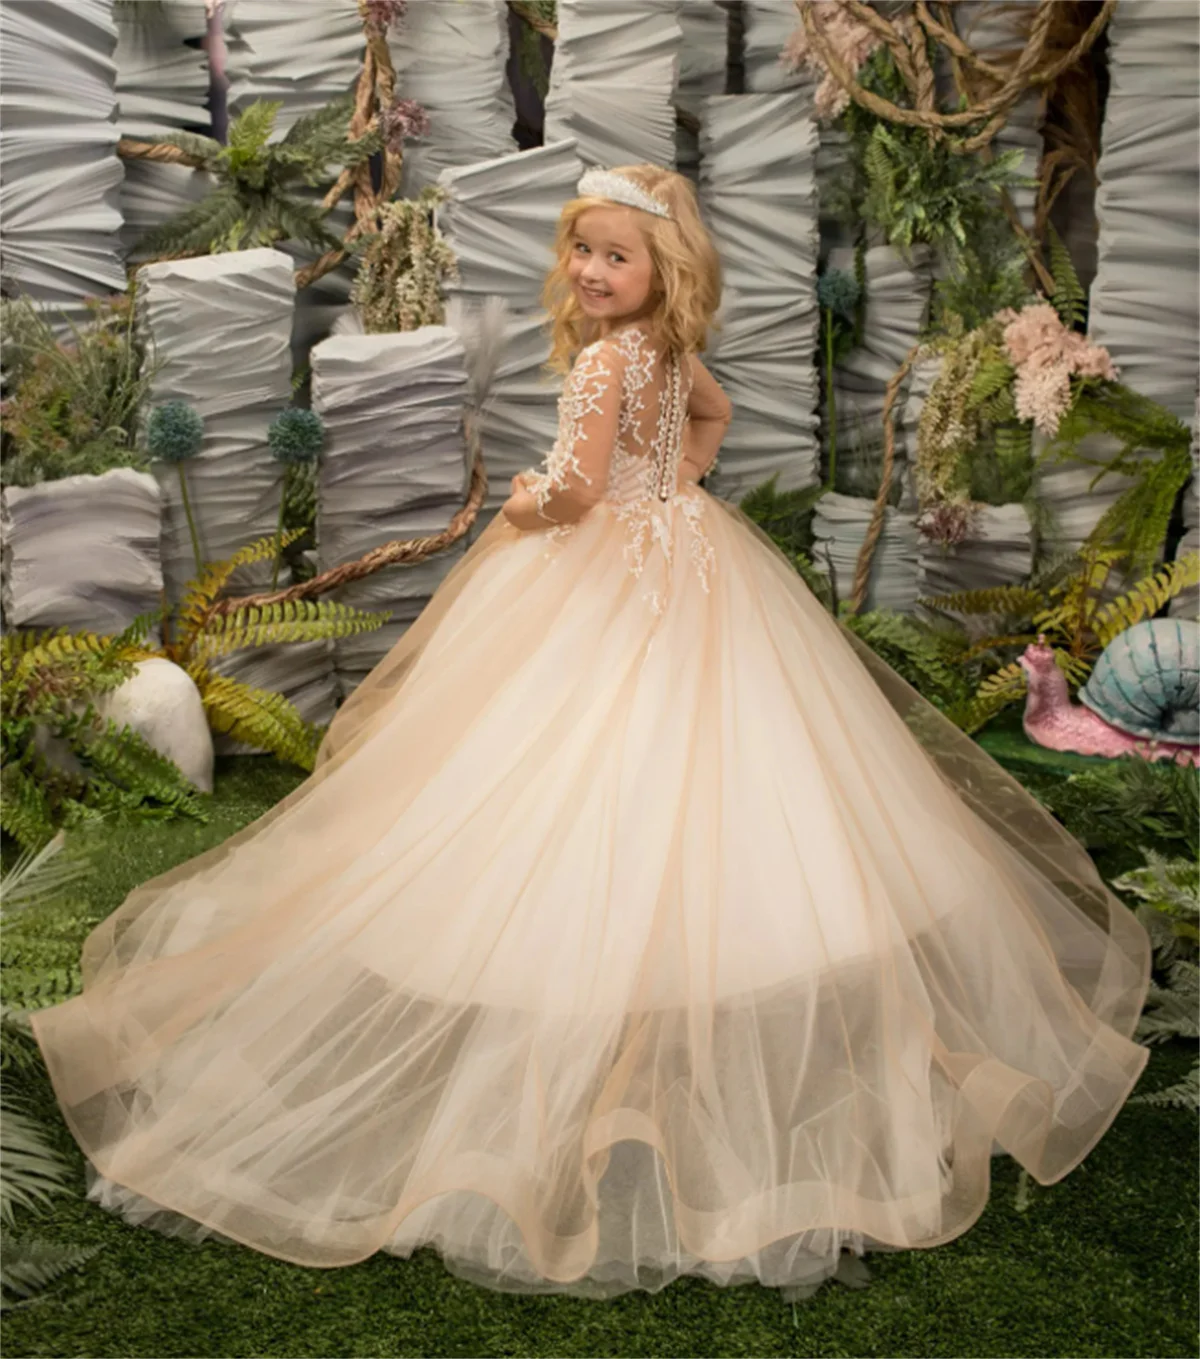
{"x": 609, "y": 184}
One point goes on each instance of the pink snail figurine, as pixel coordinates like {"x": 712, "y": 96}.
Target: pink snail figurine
{"x": 1141, "y": 697}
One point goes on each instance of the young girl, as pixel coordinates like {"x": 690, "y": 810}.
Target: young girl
{"x": 635, "y": 922}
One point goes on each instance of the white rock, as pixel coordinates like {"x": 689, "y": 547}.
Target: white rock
{"x": 161, "y": 702}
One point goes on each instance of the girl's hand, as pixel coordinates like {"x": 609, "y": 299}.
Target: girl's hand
{"x": 520, "y": 509}
{"x": 516, "y": 486}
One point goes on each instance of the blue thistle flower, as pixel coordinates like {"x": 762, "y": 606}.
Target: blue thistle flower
{"x": 838, "y": 292}
{"x": 296, "y": 435}
{"x": 175, "y": 431}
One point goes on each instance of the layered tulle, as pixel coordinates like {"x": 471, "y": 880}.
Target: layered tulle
{"x": 631, "y": 925}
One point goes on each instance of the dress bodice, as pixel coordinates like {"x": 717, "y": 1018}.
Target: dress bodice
{"x": 634, "y": 459}
{"x": 653, "y": 411}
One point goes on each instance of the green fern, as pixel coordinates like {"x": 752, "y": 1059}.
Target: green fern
{"x": 785, "y": 516}
{"x": 993, "y": 375}
{"x": 253, "y": 201}
{"x": 131, "y": 763}
{"x": 259, "y": 718}
{"x": 1068, "y": 298}
{"x": 33, "y": 1172}
{"x": 30, "y": 1265}
{"x": 916, "y": 651}
{"x": 195, "y": 609}
{"x": 1147, "y": 598}
{"x": 301, "y": 620}
{"x": 994, "y": 694}
{"x": 1002, "y": 601}
{"x": 1169, "y": 894}
{"x": 25, "y": 810}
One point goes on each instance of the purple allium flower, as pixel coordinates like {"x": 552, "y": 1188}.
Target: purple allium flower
{"x": 380, "y": 15}
{"x": 948, "y": 522}
{"x": 406, "y": 118}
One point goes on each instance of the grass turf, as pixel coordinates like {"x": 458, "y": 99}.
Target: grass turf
{"x": 1100, "y": 1264}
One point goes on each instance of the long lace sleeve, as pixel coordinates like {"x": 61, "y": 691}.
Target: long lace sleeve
{"x": 577, "y": 467}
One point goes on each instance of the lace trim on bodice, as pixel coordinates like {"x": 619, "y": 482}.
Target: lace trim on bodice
{"x": 643, "y": 475}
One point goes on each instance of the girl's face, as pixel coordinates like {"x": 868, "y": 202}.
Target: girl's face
{"x": 610, "y": 268}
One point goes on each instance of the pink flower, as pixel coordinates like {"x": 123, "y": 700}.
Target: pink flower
{"x": 1043, "y": 393}
{"x": 1092, "y": 360}
{"x": 852, "y": 41}
{"x": 1034, "y": 329}
{"x": 405, "y": 118}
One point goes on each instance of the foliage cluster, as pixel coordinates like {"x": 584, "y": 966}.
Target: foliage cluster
{"x": 49, "y": 682}
{"x": 254, "y": 200}
{"x": 1064, "y": 602}
{"x": 44, "y": 928}
{"x": 913, "y": 188}
{"x": 73, "y": 399}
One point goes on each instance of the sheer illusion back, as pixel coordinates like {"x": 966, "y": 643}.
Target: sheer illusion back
{"x": 621, "y": 419}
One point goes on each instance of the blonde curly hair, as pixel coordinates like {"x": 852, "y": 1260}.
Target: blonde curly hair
{"x": 687, "y": 272}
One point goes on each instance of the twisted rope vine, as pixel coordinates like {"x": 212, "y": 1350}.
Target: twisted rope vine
{"x": 1031, "y": 69}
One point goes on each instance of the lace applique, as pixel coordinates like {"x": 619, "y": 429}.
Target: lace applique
{"x": 582, "y": 395}
{"x": 642, "y": 481}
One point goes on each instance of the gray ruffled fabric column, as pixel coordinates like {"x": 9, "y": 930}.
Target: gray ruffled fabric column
{"x": 612, "y": 86}
{"x": 758, "y": 193}
{"x": 60, "y": 176}
{"x": 395, "y": 466}
{"x": 499, "y": 219}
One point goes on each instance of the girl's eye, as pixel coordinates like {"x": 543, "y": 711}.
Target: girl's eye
{"x": 579, "y": 246}
{"x": 617, "y": 259}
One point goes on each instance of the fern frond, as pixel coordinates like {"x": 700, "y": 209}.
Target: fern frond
{"x": 251, "y": 130}
{"x": 25, "y": 812}
{"x": 296, "y": 620}
{"x": 132, "y": 763}
{"x": 995, "y": 693}
{"x": 204, "y": 150}
{"x": 196, "y": 228}
{"x": 31, "y": 1171}
{"x": 201, "y": 592}
{"x": 991, "y": 377}
{"x": 30, "y": 1264}
{"x": 996, "y": 642}
{"x": 1068, "y": 298}
{"x": 259, "y": 718}
{"x": 1003, "y": 601}
{"x": 1184, "y": 1094}
{"x": 1146, "y": 598}
{"x": 1014, "y": 441}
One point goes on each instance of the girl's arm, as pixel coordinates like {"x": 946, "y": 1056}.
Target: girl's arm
{"x": 576, "y": 474}
{"x": 709, "y": 414}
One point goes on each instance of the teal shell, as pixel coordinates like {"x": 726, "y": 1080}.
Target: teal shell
{"x": 1147, "y": 681}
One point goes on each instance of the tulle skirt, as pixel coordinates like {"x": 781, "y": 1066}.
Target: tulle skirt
{"x": 636, "y": 922}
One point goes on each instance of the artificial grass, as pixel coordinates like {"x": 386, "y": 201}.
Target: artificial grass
{"x": 1102, "y": 1263}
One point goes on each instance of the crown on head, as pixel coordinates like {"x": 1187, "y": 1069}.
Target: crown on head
{"x": 609, "y": 184}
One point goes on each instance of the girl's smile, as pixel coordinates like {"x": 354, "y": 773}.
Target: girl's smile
{"x": 610, "y": 267}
